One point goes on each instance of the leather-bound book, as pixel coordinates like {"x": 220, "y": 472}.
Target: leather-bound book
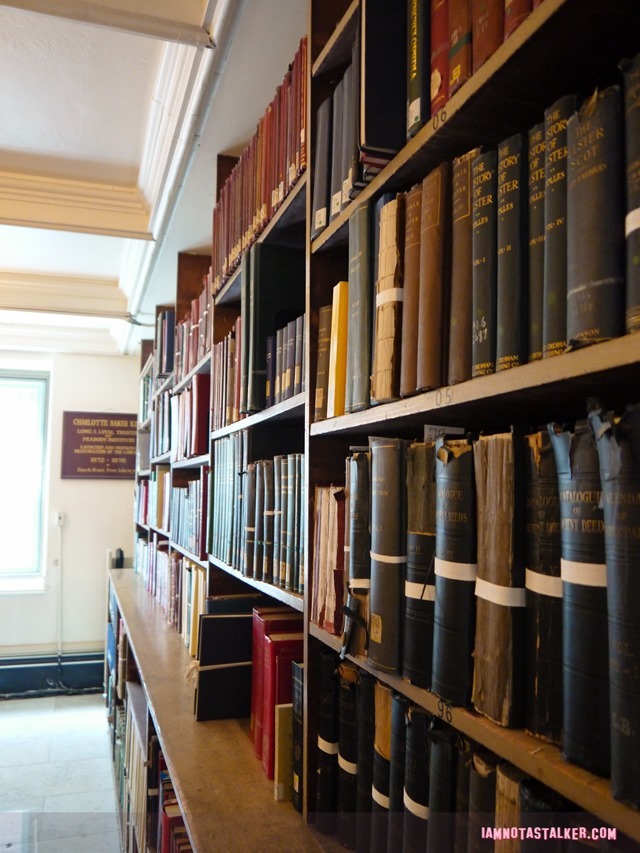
{"x": 515, "y": 11}
{"x": 280, "y": 351}
{"x": 322, "y": 370}
{"x": 487, "y": 31}
{"x": 245, "y": 281}
{"x": 543, "y": 583}
{"x": 484, "y": 183}
{"x": 463, "y": 774}
{"x": 418, "y": 65}
{"x": 541, "y": 808}
{"x": 411, "y": 292}
{"x": 554, "y": 320}
{"x": 482, "y": 798}
{"x": 439, "y": 54}
{"x": 498, "y": 676}
{"x": 277, "y": 518}
{"x": 381, "y": 768}
{"x": 366, "y": 736}
{"x": 322, "y": 168}
{"x": 536, "y": 174}
{"x": 249, "y": 520}
{"x": 435, "y": 265}
{"x": 359, "y": 323}
{"x": 443, "y": 759}
{"x": 297, "y": 678}
{"x": 455, "y": 572}
{"x": 388, "y": 551}
{"x": 258, "y": 523}
{"x": 293, "y": 467}
{"x": 508, "y": 782}
{"x": 419, "y": 586}
{"x": 335, "y": 186}
{"x": 385, "y": 379}
{"x": 271, "y": 373}
{"x": 298, "y": 350}
{"x": 286, "y": 475}
{"x": 595, "y": 221}
{"x": 347, "y": 754}
{"x": 618, "y": 442}
{"x": 279, "y": 652}
{"x": 585, "y": 648}
{"x": 631, "y": 71}
{"x": 348, "y": 123}
{"x": 328, "y": 744}
{"x": 460, "y": 57}
{"x": 460, "y": 325}
{"x": 416, "y": 781}
{"x": 359, "y": 546}
{"x": 512, "y": 298}
{"x": 399, "y": 710}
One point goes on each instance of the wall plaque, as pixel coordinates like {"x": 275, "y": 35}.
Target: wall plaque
{"x": 98, "y": 446}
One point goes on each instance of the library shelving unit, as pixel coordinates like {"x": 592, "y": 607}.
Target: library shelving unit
{"x": 563, "y": 46}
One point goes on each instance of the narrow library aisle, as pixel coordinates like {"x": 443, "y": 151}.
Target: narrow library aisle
{"x": 56, "y": 779}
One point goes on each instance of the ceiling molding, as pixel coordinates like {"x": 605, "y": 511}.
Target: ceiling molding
{"x": 75, "y": 295}
{"x": 123, "y": 20}
{"x": 38, "y": 338}
{"x": 67, "y": 205}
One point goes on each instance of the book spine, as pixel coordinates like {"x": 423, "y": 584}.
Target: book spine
{"x": 297, "y": 677}
{"x": 268, "y": 513}
{"x": 245, "y": 275}
{"x": 250, "y": 521}
{"x": 487, "y": 17}
{"x": 631, "y": 71}
{"x": 381, "y": 767}
{"x": 258, "y": 548}
{"x": 595, "y": 204}
{"x": 286, "y": 475}
{"x": 366, "y": 736}
{"x": 463, "y": 773}
{"x": 460, "y": 320}
{"x": 585, "y": 653}
{"x": 554, "y": 328}
{"x": 435, "y": 262}
{"x": 388, "y": 546}
{"x": 418, "y": 65}
{"x": 460, "y": 53}
{"x": 271, "y": 370}
{"x": 359, "y": 546}
{"x": 515, "y": 11}
{"x": 336, "y": 152}
{"x": 419, "y": 587}
{"x": 336, "y": 386}
{"x": 443, "y": 760}
{"x": 277, "y": 518}
{"x": 290, "y": 334}
{"x": 544, "y": 593}
{"x": 360, "y": 288}
{"x": 511, "y": 262}
{"x": 411, "y": 292}
{"x": 347, "y": 754}
{"x": 416, "y": 780}
{"x": 618, "y": 443}
{"x": 455, "y": 572}
{"x": 536, "y": 239}
{"x": 297, "y": 363}
{"x": 322, "y": 371}
{"x": 484, "y": 258}
{"x": 482, "y": 798}
{"x": 397, "y": 765}
{"x": 439, "y": 54}
{"x": 349, "y": 134}
{"x": 328, "y": 745}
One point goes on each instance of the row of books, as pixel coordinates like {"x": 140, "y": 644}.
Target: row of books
{"x": 158, "y": 496}
{"x": 188, "y": 511}
{"x": 492, "y": 572}
{"x": 257, "y": 518}
{"x": 391, "y": 777}
{"x": 194, "y": 333}
{"x": 268, "y": 168}
{"x": 189, "y": 428}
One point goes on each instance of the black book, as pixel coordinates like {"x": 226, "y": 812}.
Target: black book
{"x": 482, "y": 798}
{"x": 541, "y": 808}
{"x": 544, "y": 593}
{"x": 511, "y": 269}
{"x": 359, "y": 491}
{"x": 419, "y": 587}
{"x": 443, "y": 759}
{"x": 455, "y": 572}
{"x": 631, "y": 69}
{"x": 347, "y": 754}
{"x": 463, "y": 775}
{"x": 327, "y": 777}
{"x": 585, "y": 648}
{"x": 322, "y": 168}
{"x": 258, "y": 538}
{"x": 536, "y": 241}
{"x": 335, "y": 203}
{"x": 554, "y": 320}
{"x": 297, "y": 695}
{"x": 595, "y": 221}
{"x": 388, "y": 547}
{"x": 618, "y": 443}
{"x": 268, "y": 505}
{"x": 381, "y": 769}
{"x": 359, "y": 324}
{"x": 484, "y": 182}
{"x": 399, "y": 710}
{"x": 418, "y": 65}
{"x": 366, "y": 734}
{"x": 416, "y": 781}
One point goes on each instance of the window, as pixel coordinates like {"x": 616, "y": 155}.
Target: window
{"x": 23, "y": 432}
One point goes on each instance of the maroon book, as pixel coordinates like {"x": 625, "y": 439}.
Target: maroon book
{"x": 515, "y": 11}
{"x": 487, "y": 28}
{"x": 439, "y": 54}
{"x": 279, "y": 651}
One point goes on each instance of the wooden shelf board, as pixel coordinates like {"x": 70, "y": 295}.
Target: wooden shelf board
{"x": 192, "y": 461}
{"x": 337, "y": 50}
{"x": 144, "y": 426}
{"x": 203, "y": 366}
{"x": 293, "y": 599}
{"x": 165, "y": 385}
{"x": 287, "y": 410}
{"x": 552, "y": 389}
{"x": 159, "y": 531}
{"x": 162, "y": 459}
{"x": 220, "y": 785}
{"x": 189, "y": 555}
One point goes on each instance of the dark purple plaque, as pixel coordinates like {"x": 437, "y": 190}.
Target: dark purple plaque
{"x": 98, "y": 446}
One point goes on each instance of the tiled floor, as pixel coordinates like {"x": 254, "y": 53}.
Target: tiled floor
{"x": 56, "y": 782}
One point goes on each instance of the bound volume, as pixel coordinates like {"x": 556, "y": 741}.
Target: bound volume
{"x": 381, "y": 768}
{"x": 366, "y": 736}
{"x": 483, "y": 243}
{"x": 327, "y": 779}
{"x": 416, "y": 781}
{"x": 347, "y": 754}
{"x": 359, "y": 491}
{"x": 359, "y": 324}
{"x": 399, "y": 709}
{"x": 443, "y": 761}
{"x": 631, "y": 69}
{"x": 418, "y": 65}
{"x": 536, "y": 242}
{"x": 411, "y": 292}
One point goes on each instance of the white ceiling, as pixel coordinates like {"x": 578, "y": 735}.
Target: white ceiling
{"x": 108, "y": 145}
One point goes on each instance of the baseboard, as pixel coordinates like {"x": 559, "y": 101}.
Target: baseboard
{"x": 48, "y": 675}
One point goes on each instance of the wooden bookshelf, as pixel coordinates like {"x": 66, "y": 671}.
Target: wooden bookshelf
{"x": 284, "y": 412}
{"x": 292, "y": 599}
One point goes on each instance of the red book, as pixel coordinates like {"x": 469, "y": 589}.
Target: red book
{"x": 439, "y": 54}
{"x": 200, "y": 414}
{"x": 487, "y": 29}
{"x": 171, "y": 817}
{"x": 279, "y": 651}
{"x": 515, "y": 11}
{"x": 266, "y": 620}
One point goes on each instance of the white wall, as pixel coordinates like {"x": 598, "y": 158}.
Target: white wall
{"x": 98, "y": 514}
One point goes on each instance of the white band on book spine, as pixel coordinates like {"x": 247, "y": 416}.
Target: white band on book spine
{"x": 359, "y": 584}
{"x": 385, "y": 558}
{"x": 416, "y": 809}
{"x": 584, "y": 574}
{"x": 543, "y": 584}
{"x": 347, "y": 549}
{"x": 421, "y": 591}
{"x": 391, "y": 294}
{"x": 250, "y": 529}
{"x": 632, "y": 221}
{"x": 270, "y": 512}
{"x": 506, "y": 596}
{"x": 381, "y": 799}
{"x": 326, "y": 746}
{"x": 456, "y": 571}
{"x": 347, "y": 766}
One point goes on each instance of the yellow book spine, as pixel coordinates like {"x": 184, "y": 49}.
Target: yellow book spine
{"x": 338, "y": 350}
